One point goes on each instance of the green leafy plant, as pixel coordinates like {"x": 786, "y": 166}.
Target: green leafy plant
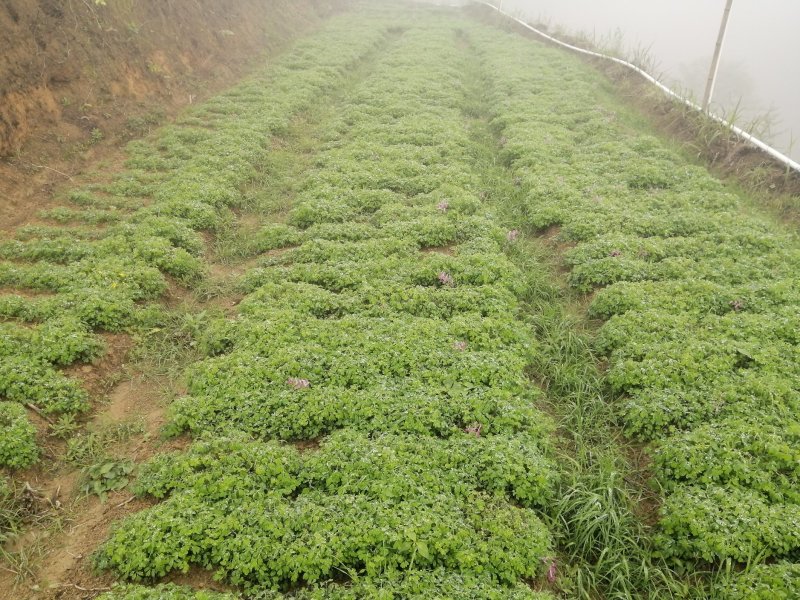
{"x": 64, "y": 427}
{"x": 444, "y": 462}
{"x": 17, "y": 437}
{"x": 109, "y": 475}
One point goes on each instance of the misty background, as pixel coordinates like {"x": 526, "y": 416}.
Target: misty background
{"x": 759, "y": 71}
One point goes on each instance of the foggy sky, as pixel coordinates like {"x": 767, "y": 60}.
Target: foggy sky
{"x": 760, "y": 58}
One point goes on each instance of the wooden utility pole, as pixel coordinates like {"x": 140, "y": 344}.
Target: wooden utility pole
{"x": 712, "y": 74}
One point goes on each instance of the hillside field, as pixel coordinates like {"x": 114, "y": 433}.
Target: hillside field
{"x": 420, "y": 309}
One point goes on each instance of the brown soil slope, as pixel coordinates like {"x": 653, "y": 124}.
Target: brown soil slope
{"x": 78, "y": 78}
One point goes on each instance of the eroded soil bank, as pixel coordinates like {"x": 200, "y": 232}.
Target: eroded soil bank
{"x": 78, "y": 79}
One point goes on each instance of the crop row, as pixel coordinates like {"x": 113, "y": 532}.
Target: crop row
{"x": 426, "y": 585}
{"x": 699, "y": 294}
{"x": 379, "y": 335}
{"x": 110, "y": 253}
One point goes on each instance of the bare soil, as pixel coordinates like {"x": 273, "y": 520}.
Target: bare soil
{"x": 72, "y": 524}
{"x": 78, "y": 80}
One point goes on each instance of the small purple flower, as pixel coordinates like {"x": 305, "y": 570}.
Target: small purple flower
{"x": 298, "y": 384}
{"x": 443, "y": 206}
{"x": 474, "y": 429}
{"x": 446, "y": 279}
{"x": 512, "y": 235}
{"x": 460, "y": 345}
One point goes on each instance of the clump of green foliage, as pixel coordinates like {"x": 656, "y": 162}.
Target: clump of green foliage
{"x": 18, "y": 442}
{"x": 109, "y": 251}
{"x": 698, "y": 293}
{"x": 425, "y": 585}
{"x": 106, "y": 476}
{"x": 386, "y": 326}
{"x": 780, "y": 581}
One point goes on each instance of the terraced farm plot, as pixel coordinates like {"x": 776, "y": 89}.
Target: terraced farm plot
{"x": 700, "y": 298}
{"x": 389, "y": 394}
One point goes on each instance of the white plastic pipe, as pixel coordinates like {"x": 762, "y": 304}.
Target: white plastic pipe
{"x": 744, "y": 135}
